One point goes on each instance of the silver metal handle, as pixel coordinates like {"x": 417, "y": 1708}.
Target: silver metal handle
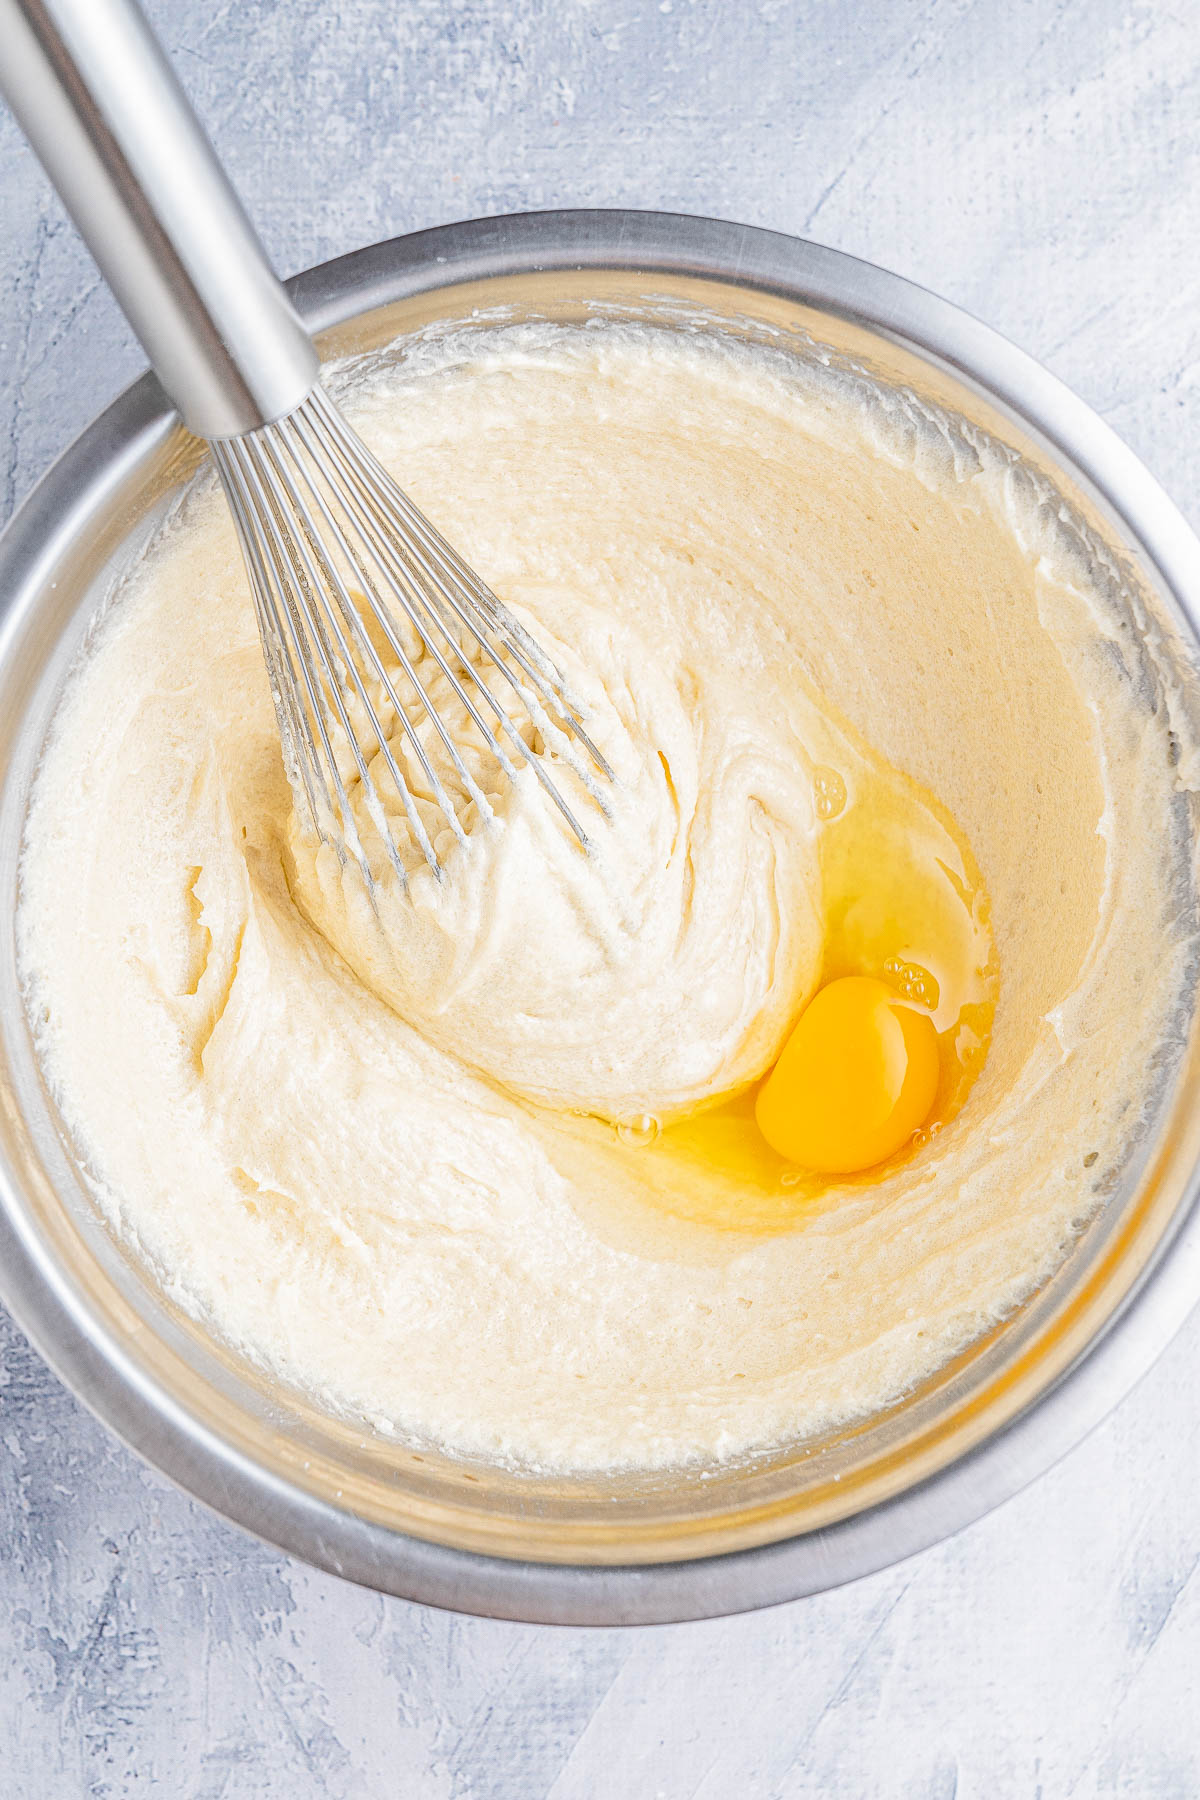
{"x": 101, "y": 106}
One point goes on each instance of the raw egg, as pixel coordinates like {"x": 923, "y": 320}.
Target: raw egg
{"x": 858, "y": 1075}
{"x": 885, "y": 1052}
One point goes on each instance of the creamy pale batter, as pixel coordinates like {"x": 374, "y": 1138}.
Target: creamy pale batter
{"x": 455, "y": 1172}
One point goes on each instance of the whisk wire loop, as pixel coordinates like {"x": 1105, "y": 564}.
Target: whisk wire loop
{"x": 329, "y": 581}
{"x": 363, "y": 608}
{"x": 425, "y": 567}
{"x": 448, "y": 580}
{"x": 308, "y": 645}
{"x": 290, "y": 663}
{"x": 321, "y": 618}
{"x": 392, "y": 569}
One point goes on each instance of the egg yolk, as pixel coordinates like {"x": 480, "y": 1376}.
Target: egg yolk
{"x": 858, "y": 1075}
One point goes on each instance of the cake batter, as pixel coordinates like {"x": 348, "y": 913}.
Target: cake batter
{"x": 486, "y": 1173}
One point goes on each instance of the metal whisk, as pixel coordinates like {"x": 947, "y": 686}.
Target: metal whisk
{"x": 373, "y": 628}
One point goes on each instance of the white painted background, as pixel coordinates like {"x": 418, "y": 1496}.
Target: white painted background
{"x": 1040, "y": 164}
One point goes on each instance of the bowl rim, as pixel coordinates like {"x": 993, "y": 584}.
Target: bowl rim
{"x": 90, "y": 1359}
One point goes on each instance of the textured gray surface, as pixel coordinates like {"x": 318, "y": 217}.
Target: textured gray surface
{"x": 1039, "y": 163}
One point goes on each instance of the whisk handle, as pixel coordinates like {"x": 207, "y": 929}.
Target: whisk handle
{"x": 102, "y": 108}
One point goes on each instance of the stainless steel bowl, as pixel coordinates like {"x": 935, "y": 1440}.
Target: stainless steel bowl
{"x": 466, "y": 1535}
